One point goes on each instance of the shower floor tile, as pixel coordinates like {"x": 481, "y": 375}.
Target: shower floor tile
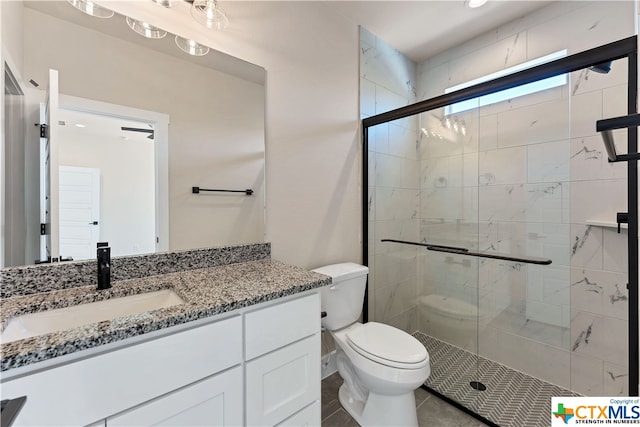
{"x": 512, "y": 399}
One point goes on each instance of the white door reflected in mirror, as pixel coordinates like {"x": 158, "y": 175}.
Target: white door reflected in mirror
{"x": 79, "y": 211}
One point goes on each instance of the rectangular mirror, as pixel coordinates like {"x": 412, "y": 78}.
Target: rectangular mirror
{"x": 139, "y": 124}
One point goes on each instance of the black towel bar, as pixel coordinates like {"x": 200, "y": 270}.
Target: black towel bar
{"x": 605, "y": 127}
{"x": 197, "y": 190}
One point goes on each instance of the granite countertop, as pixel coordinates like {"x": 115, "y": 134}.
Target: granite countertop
{"x": 206, "y": 292}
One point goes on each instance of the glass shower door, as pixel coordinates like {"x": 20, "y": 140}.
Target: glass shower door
{"x": 448, "y": 281}
{"x": 492, "y": 240}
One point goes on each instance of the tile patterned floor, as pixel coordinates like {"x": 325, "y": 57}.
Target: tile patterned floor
{"x": 431, "y": 410}
{"x": 528, "y": 399}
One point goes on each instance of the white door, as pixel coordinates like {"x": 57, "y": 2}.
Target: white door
{"x": 79, "y": 193}
{"x": 49, "y": 242}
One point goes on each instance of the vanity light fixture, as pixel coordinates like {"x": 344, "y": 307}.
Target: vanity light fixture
{"x": 475, "y": 3}
{"x": 167, "y": 3}
{"x": 145, "y": 29}
{"x": 90, "y": 8}
{"x": 191, "y": 47}
{"x": 209, "y": 14}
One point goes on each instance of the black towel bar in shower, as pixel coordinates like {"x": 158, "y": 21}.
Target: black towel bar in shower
{"x": 464, "y": 251}
{"x": 605, "y": 127}
{"x": 197, "y": 190}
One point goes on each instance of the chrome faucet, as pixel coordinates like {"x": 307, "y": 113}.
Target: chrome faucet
{"x": 104, "y": 265}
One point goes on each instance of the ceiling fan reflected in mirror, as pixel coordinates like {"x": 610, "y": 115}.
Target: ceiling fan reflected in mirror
{"x": 151, "y": 132}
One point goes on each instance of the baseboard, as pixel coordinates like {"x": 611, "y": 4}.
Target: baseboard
{"x": 328, "y": 365}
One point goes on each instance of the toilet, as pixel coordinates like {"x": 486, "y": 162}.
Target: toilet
{"x": 450, "y": 319}
{"x": 381, "y": 365}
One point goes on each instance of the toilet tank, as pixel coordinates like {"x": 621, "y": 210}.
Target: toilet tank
{"x": 343, "y": 299}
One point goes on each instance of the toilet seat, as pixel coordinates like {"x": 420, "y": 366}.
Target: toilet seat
{"x": 388, "y": 346}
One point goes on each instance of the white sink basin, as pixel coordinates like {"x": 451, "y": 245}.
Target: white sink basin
{"x": 44, "y": 322}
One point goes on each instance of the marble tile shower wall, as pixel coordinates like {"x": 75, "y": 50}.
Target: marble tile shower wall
{"x": 387, "y": 81}
{"x": 534, "y": 172}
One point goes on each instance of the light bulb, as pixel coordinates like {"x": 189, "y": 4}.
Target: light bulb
{"x": 191, "y": 46}
{"x": 145, "y": 29}
{"x": 209, "y": 14}
{"x": 90, "y": 8}
{"x": 475, "y": 3}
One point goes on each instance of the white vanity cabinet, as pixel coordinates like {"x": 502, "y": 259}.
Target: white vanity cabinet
{"x": 282, "y": 350}
{"x": 95, "y": 388}
{"x": 254, "y": 366}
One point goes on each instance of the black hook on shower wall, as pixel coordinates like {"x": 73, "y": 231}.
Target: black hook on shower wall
{"x": 197, "y": 190}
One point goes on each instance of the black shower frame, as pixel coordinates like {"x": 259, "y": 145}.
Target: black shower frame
{"x": 624, "y": 48}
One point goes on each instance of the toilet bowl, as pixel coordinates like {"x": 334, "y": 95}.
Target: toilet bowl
{"x": 381, "y": 365}
{"x": 449, "y": 319}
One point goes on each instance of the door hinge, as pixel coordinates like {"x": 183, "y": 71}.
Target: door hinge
{"x": 44, "y": 229}
{"x": 44, "y": 130}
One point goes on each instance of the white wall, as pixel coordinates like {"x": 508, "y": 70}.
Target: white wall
{"x": 387, "y": 81}
{"x": 312, "y": 126}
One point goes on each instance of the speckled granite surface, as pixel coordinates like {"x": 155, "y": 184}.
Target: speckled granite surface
{"x": 48, "y": 277}
{"x": 206, "y": 292}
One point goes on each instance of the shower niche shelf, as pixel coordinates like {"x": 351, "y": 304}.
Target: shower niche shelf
{"x": 606, "y": 224}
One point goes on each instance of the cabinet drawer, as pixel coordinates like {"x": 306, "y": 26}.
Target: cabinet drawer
{"x": 309, "y": 416}
{"x": 97, "y": 387}
{"x": 278, "y": 325}
{"x": 215, "y": 401}
{"x": 281, "y": 383}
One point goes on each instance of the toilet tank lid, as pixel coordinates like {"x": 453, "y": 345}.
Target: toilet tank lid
{"x": 343, "y": 271}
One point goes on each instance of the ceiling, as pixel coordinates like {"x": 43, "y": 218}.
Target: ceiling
{"x": 421, "y": 29}
{"x": 417, "y": 28}
{"x": 90, "y": 125}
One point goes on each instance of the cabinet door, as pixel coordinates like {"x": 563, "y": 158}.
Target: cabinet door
{"x": 270, "y": 328}
{"x": 215, "y": 401}
{"x": 281, "y": 383}
{"x": 308, "y": 417}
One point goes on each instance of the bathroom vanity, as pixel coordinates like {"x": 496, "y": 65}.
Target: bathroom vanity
{"x": 243, "y": 348}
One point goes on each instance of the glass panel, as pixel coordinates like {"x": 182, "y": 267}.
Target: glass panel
{"x": 526, "y": 177}
{"x": 448, "y": 284}
{"x": 598, "y": 339}
{"x": 394, "y": 214}
{"x": 524, "y": 210}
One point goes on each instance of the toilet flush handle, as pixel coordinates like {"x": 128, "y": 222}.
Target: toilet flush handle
{"x": 332, "y": 288}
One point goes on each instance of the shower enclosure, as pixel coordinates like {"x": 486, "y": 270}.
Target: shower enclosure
{"x": 490, "y": 232}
